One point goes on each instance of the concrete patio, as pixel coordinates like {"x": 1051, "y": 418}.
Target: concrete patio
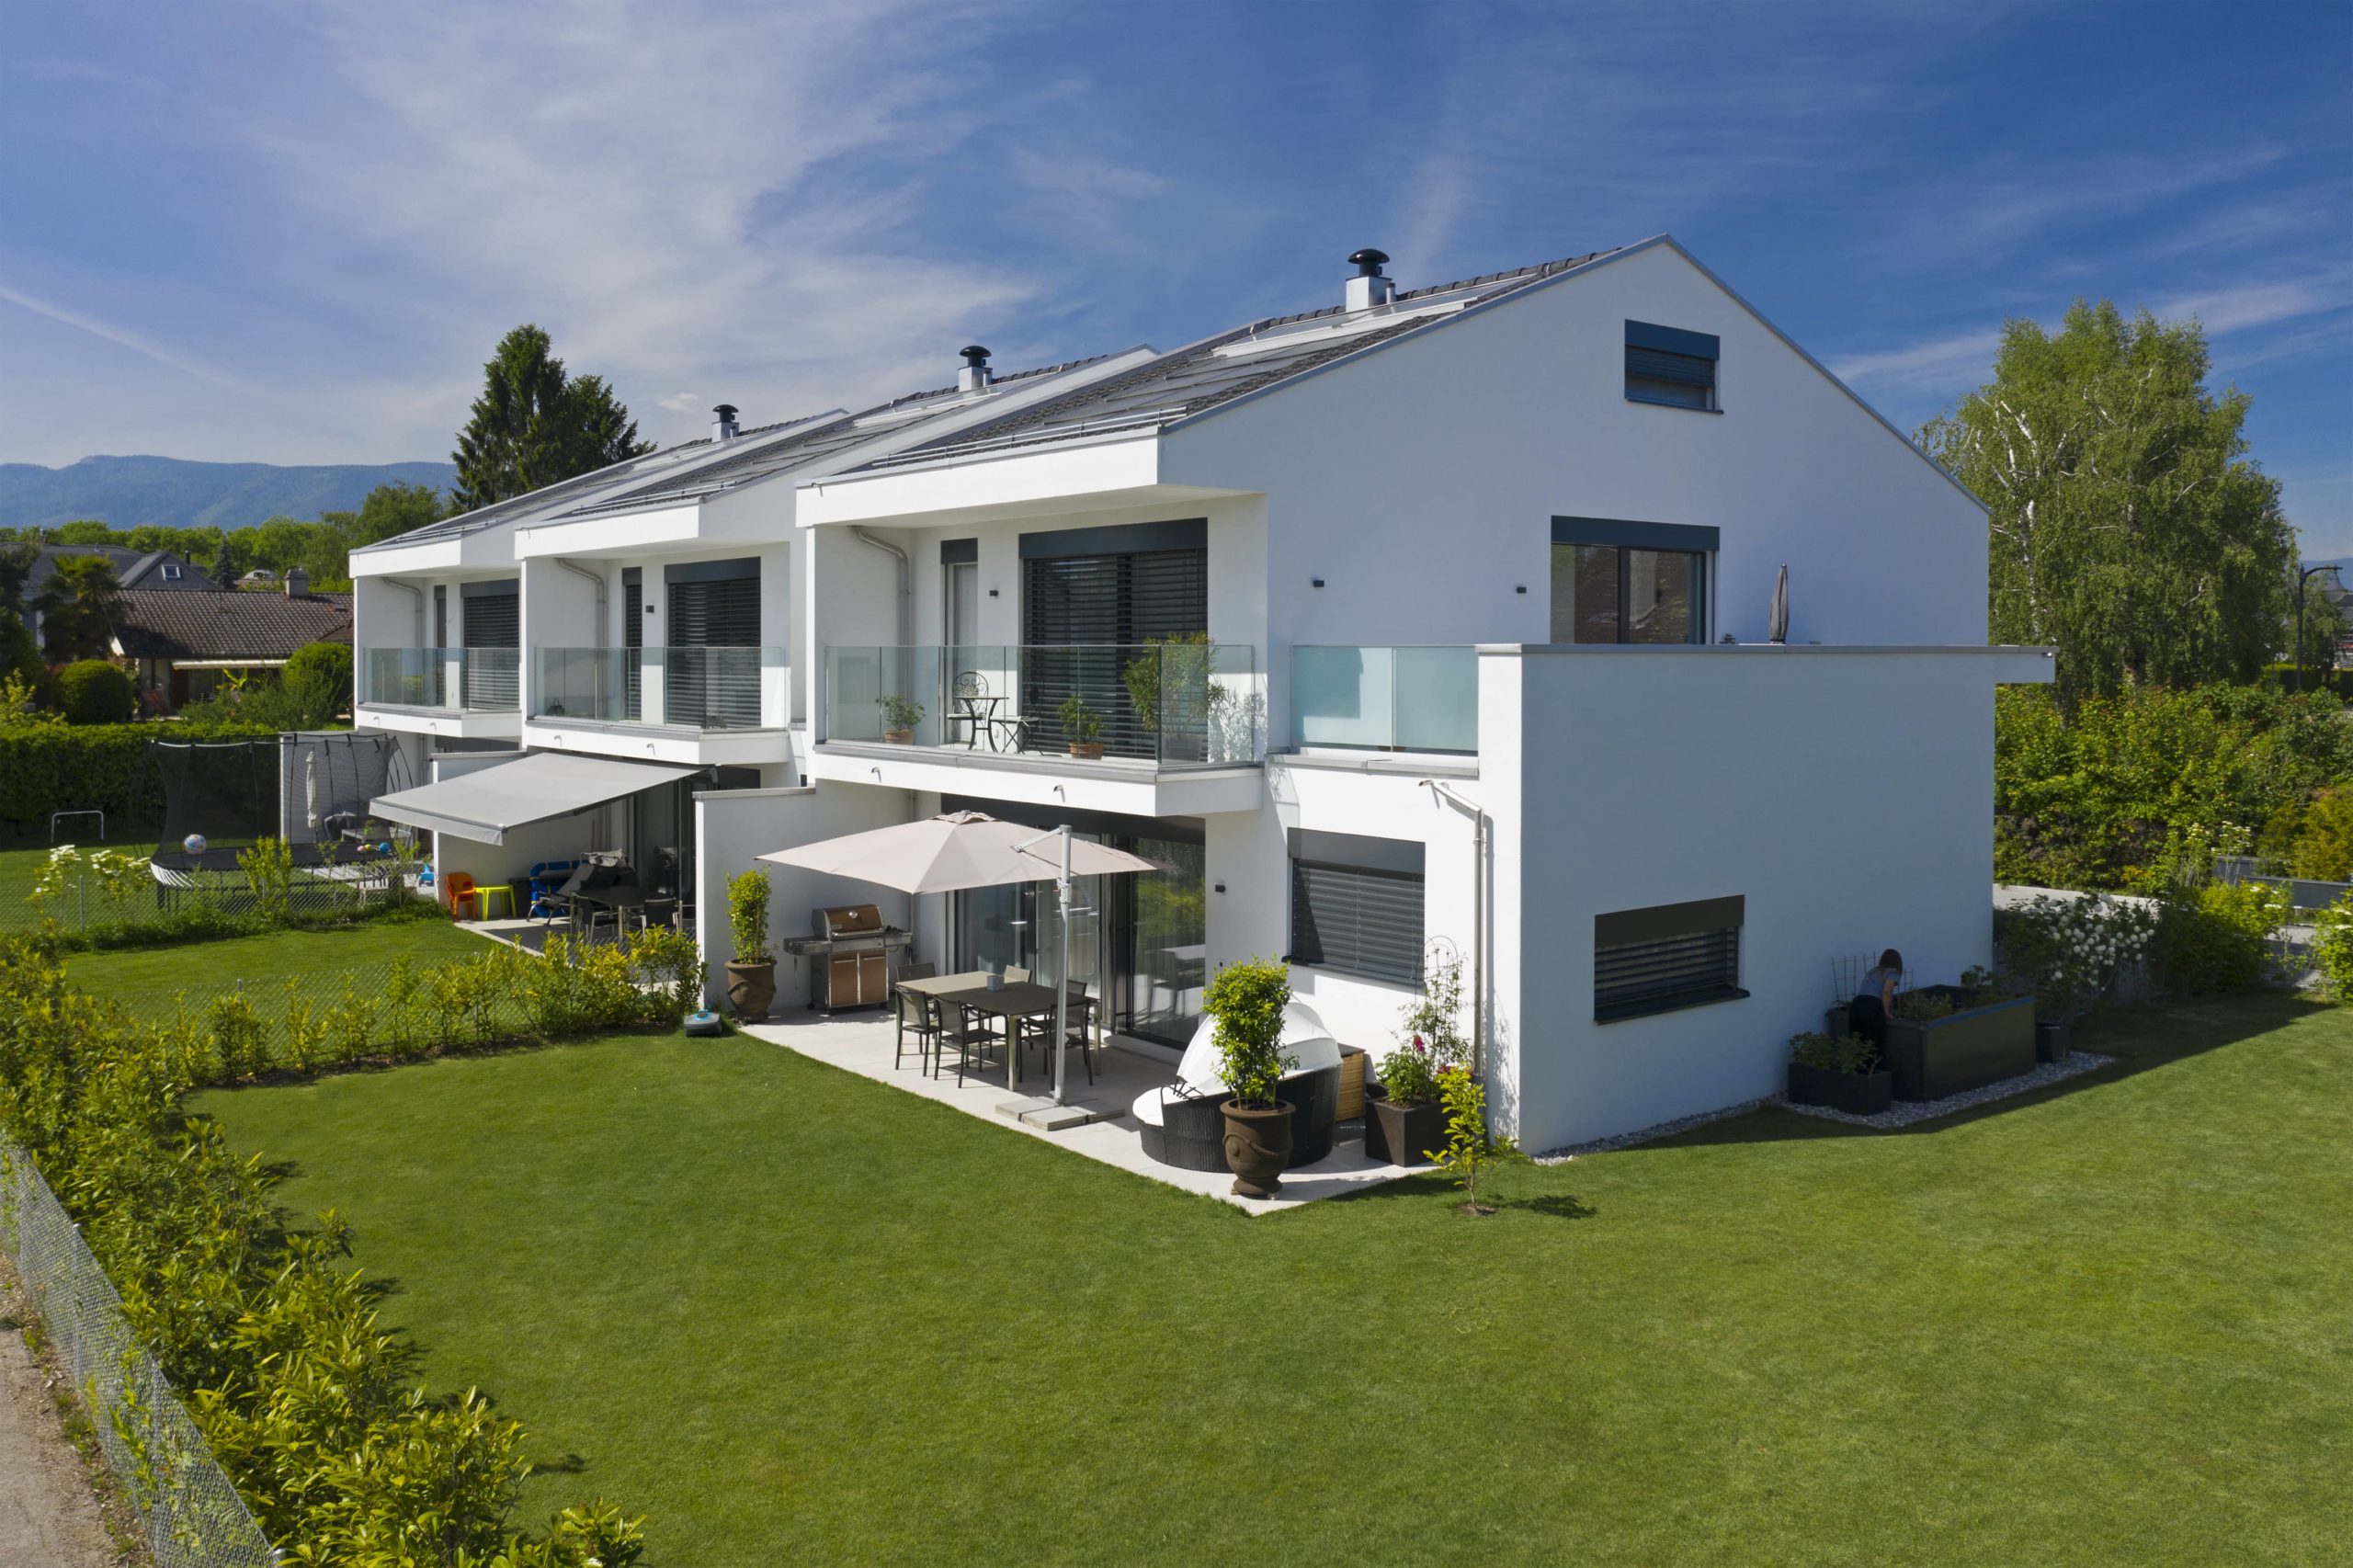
{"x": 861, "y": 1043}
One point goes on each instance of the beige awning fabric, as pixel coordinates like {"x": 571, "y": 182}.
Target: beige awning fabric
{"x": 962, "y": 849}
{"x": 487, "y": 804}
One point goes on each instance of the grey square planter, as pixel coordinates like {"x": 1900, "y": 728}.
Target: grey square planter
{"x": 1964, "y": 1050}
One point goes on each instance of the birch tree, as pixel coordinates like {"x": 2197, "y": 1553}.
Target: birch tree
{"x": 2129, "y": 527}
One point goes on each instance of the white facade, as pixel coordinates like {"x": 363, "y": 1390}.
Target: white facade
{"x": 1415, "y": 490}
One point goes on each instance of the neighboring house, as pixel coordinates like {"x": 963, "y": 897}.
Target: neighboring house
{"x": 184, "y": 645}
{"x": 259, "y": 577}
{"x": 1433, "y": 620}
{"x": 154, "y": 570}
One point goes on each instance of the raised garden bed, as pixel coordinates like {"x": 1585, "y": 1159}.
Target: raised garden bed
{"x": 1857, "y": 1094}
{"x": 1967, "y": 1049}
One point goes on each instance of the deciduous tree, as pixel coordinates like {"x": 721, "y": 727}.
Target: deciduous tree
{"x": 2129, "y": 527}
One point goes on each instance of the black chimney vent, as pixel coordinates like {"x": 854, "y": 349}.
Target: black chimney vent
{"x": 1367, "y": 262}
{"x": 974, "y": 376}
{"x": 724, "y": 427}
{"x": 974, "y": 355}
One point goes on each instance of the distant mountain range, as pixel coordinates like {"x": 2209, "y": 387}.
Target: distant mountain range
{"x": 124, "y": 492}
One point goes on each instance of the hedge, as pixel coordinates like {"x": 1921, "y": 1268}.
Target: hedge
{"x": 106, "y": 767}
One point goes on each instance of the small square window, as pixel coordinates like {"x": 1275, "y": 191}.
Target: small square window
{"x": 1669, "y": 366}
{"x": 171, "y": 573}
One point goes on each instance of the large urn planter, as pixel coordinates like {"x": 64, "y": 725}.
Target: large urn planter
{"x": 751, "y": 990}
{"x": 1965, "y": 1050}
{"x": 1257, "y": 1146}
{"x": 1401, "y": 1134}
{"x": 2052, "y": 1041}
{"x": 1857, "y": 1094}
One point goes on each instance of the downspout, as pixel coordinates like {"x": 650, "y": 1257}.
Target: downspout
{"x": 906, "y": 581}
{"x": 1478, "y": 916}
{"x": 417, "y": 593}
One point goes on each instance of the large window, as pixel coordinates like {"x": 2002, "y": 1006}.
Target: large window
{"x": 1666, "y": 957}
{"x": 1667, "y": 365}
{"x": 1615, "y": 581}
{"x": 1356, "y": 905}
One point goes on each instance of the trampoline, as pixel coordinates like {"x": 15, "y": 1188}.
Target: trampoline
{"x": 310, "y": 790}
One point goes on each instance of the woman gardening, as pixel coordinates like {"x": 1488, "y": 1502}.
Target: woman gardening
{"x": 1875, "y": 998}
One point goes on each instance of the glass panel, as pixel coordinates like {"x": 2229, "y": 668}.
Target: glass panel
{"x": 1393, "y": 699}
{"x": 1660, "y": 603}
{"x": 403, "y": 677}
{"x": 581, "y": 683}
{"x": 489, "y": 679}
{"x": 1438, "y": 699}
{"x": 1585, "y": 593}
{"x": 1166, "y": 943}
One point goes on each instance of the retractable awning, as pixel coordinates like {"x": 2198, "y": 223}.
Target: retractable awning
{"x": 488, "y": 804}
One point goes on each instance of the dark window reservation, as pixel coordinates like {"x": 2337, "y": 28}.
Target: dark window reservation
{"x": 1667, "y": 365}
{"x": 1674, "y": 955}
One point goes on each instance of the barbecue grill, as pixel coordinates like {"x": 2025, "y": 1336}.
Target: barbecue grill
{"x": 850, "y": 957}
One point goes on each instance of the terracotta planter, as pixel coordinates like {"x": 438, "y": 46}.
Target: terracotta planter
{"x": 1401, "y": 1134}
{"x": 900, "y": 737}
{"x": 751, "y": 989}
{"x": 1090, "y": 750}
{"x": 1257, "y": 1147}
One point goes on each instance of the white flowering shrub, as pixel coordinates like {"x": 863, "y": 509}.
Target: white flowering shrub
{"x": 2072, "y": 950}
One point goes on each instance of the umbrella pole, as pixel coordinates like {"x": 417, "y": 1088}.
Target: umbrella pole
{"x": 1062, "y": 975}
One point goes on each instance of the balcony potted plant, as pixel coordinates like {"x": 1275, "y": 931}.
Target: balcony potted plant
{"x": 1247, "y": 1001}
{"x": 1405, "y": 1118}
{"x": 1843, "y": 1074}
{"x": 751, "y": 973}
{"x": 1082, "y": 727}
{"x": 899, "y": 718}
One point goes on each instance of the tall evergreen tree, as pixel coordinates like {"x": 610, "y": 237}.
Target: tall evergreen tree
{"x": 534, "y": 426}
{"x": 2128, "y": 528}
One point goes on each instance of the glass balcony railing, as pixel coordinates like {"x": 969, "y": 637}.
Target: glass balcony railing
{"x": 477, "y": 680}
{"x": 692, "y": 688}
{"x": 1386, "y": 699}
{"x": 1177, "y": 704}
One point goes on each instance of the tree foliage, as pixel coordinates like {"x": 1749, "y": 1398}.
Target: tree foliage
{"x": 2128, "y": 528}
{"x": 77, "y": 604}
{"x": 535, "y": 426}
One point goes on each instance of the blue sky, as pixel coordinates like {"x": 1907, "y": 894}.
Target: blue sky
{"x": 291, "y": 233}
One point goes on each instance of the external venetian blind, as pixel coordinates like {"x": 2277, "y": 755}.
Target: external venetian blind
{"x": 1668, "y": 365}
{"x": 1085, "y": 618}
{"x": 1670, "y": 956}
{"x": 711, "y": 668}
{"x": 1356, "y": 905}
{"x": 493, "y": 621}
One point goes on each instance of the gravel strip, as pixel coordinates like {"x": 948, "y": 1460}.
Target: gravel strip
{"x": 1903, "y": 1113}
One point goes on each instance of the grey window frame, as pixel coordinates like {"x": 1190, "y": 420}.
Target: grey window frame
{"x": 1665, "y": 538}
{"x": 1672, "y": 349}
{"x": 1362, "y": 864}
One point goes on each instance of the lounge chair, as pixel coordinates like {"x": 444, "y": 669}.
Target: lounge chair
{"x": 1184, "y": 1124}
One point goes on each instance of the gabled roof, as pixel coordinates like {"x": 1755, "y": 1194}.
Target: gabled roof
{"x": 132, "y": 568}
{"x": 1188, "y": 382}
{"x": 224, "y": 623}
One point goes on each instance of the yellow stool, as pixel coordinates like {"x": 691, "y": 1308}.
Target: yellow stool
{"x": 499, "y": 891}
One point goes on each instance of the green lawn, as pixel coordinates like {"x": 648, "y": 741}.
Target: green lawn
{"x": 146, "y": 980}
{"x": 23, "y": 856}
{"x": 797, "y": 1316}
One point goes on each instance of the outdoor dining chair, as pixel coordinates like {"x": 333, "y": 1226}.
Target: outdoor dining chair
{"x": 971, "y": 1036}
{"x": 914, "y": 1010}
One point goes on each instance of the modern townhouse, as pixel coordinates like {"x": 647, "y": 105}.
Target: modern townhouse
{"x": 1569, "y": 621}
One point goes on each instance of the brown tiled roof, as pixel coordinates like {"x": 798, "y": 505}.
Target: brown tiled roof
{"x": 222, "y": 623}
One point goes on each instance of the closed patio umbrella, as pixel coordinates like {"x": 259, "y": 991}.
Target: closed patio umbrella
{"x": 971, "y": 849}
{"x": 1777, "y": 624}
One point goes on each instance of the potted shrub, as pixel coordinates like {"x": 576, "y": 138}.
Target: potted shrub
{"x": 1843, "y": 1074}
{"x": 1404, "y": 1121}
{"x": 1082, "y": 727}
{"x": 751, "y": 973}
{"x": 1247, "y": 1001}
{"x": 899, "y": 718}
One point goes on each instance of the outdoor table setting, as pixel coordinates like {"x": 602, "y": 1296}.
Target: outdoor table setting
{"x": 976, "y": 711}
{"x": 1015, "y": 999}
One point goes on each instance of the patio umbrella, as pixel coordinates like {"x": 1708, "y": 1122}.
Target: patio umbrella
{"x": 1776, "y": 627}
{"x": 972, "y": 849}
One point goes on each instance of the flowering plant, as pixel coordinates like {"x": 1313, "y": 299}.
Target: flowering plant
{"x": 1430, "y": 1037}
{"x": 2072, "y": 950}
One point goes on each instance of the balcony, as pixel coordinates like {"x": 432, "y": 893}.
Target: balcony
{"x": 1385, "y": 698}
{"x": 697, "y": 704}
{"x": 1023, "y": 723}
{"x": 450, "y": 691}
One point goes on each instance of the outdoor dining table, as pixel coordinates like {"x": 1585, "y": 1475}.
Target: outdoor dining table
{"x": 977, "y": 712}
{"x": 1015, "y": 999}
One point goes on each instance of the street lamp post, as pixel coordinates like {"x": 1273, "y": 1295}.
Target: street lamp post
{"x": 2308, "y": 574}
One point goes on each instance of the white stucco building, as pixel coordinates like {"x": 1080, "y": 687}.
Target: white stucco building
{"x": 1435, "y": 618}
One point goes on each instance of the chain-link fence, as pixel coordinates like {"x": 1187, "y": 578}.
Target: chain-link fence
{"x": 192, "y": 1512}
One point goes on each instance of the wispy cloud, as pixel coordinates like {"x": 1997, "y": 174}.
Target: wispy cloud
{"x": 137, "y": 343}
{"x": 1935, "y": 365}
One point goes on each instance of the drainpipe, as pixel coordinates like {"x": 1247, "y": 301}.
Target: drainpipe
{"x": 1478, "y": 815}
{"x": 906, "y": 581}
{"x": 597, "y": 577}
